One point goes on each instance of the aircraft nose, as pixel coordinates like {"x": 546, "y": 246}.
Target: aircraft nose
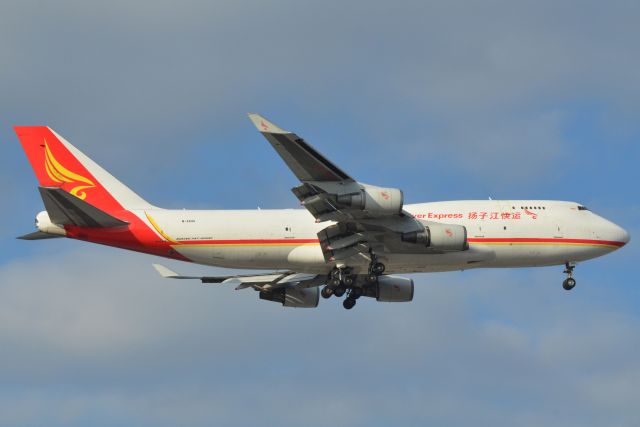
{"x": 620, "y": 235}
{"x": 625, "y": 236}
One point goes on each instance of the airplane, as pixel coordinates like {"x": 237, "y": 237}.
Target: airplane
{"x": 351, "y": 239}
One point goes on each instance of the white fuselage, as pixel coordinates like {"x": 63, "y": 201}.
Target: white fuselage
{"x": 501, "y": 233}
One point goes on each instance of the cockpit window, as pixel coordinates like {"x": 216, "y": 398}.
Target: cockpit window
{"x": 582, "y": 208}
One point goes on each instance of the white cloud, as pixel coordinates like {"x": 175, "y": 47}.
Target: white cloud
{"x": 97, "y": 332}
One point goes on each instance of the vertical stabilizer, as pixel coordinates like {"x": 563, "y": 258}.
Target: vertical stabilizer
{"x": 57, "y": 163}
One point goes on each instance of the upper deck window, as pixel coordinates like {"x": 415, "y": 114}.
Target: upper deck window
{"x": 582, "y": 208}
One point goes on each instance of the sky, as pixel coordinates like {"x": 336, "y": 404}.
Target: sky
{"x": 446, "y": 100}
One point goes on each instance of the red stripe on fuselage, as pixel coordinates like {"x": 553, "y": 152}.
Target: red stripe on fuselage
{"x": 471, "y": 240}
{"x": 140, "y": 237}
{"x": 247, "y": 242}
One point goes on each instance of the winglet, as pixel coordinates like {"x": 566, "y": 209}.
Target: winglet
{"x": 264, "y": 125}
{"x": 166, "y": 272}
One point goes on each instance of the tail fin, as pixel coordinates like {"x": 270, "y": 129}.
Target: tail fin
{"x": 57, "y": 163}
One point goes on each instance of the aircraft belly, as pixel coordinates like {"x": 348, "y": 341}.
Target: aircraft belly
{"x": 512, "y": 255}
{"x": 406, "y": 263}
{"x": 308, "y": 258}
{"x": 302, "y": 258}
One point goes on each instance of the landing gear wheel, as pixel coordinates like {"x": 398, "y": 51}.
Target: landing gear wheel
{"x": 378, "y": 268}
{"x": 335, "y": 282}
{"x": 569, "y": 283}
{"x": 349, "y": 303}
{"x": 326, "y": 292}
{"x": 348, "y": 281}
{"x": 339, "y": 291}
{"x": 372, "y": 278}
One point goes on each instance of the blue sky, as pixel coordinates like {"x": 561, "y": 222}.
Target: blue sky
{"x": 445, "y": 100}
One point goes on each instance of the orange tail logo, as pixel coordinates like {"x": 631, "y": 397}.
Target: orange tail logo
{"x": 61, "y": 175}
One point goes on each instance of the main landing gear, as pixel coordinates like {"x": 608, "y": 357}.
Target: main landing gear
{"x": 376, "y": 268}
{"x": 326, "y": 292}
{"x": 342, "y": 281}
{"x": 569, "y": 283}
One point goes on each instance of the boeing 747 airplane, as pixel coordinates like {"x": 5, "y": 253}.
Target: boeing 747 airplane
{"x": 351, "y": 239}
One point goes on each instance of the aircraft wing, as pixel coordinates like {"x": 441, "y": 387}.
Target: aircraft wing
{"x": 305, "y": 162}
{"x": 261, "y": 282}
{"x": 365, "y": 218}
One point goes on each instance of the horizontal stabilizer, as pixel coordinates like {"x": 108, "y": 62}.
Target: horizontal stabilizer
{"x": 38, "y": 235}
{"x": 66, "y": 209}
{"x": 167, "y": 273}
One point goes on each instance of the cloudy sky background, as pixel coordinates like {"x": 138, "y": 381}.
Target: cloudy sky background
{"x": 447, "y": 100}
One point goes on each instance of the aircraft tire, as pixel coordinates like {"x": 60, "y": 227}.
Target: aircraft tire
{"x": 326, "y": 292}
{"x": 335, "y": 282}
{"x": 339, "y": 291}
{"x": 349, "y": 303}
{"x": 569, "y": 284}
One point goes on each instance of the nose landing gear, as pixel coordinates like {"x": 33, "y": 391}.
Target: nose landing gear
{"x": 569, "y": 283}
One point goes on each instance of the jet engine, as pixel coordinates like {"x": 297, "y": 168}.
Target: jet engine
{"x": 394, "y": 289}
{"x": 385, "y": 201}
{"x": 293, "y": 296}
{"x": 441, "y": 237}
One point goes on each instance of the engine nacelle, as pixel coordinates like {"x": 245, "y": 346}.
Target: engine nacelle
{"x": 448, "y": 237}
{"x": 394, "y": 289}
{"x": 293, "y": 296}
{"x": 44, "y": 224}
{"x": 441, "y": 237}
{"x": 386, "y": 201}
